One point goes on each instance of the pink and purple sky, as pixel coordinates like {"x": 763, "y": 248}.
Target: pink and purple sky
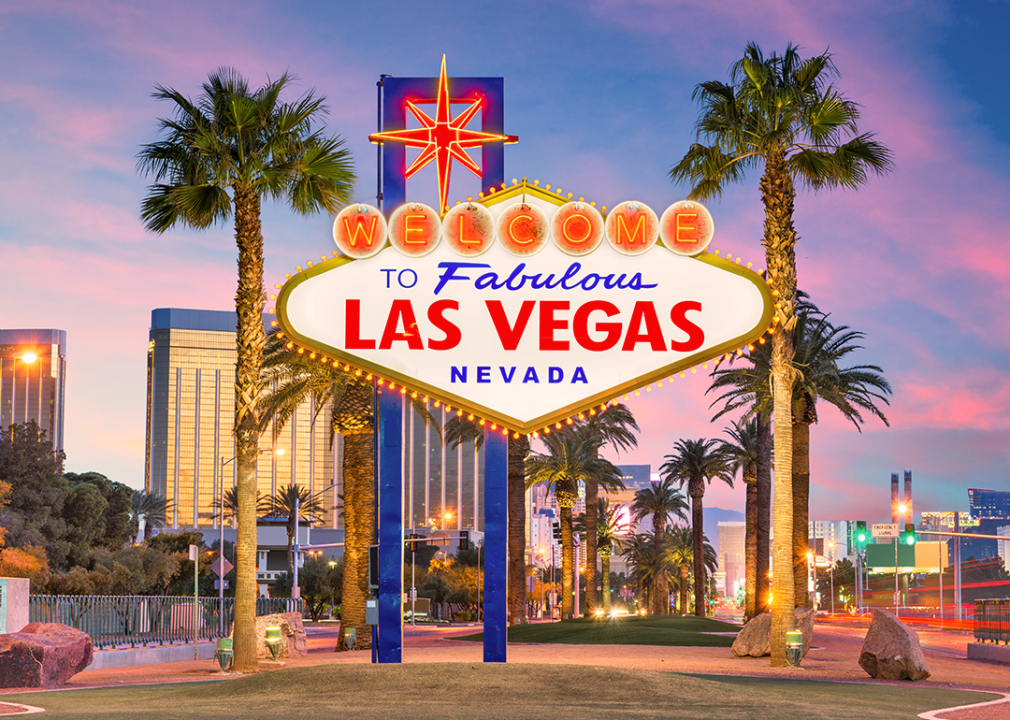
{"x": 600, "y": 95}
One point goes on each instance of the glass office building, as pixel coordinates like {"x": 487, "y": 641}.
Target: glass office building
{"x": 33, "y": 366}
{"x": 438, "y": 480}
{"x": 190, "y": 413}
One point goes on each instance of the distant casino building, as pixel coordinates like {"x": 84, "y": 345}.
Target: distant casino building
{"x": 190, "y": 413}
{"x": 988, "y": 504}
{"x": 636, "y": 477}
{"x": 33, "y": 366}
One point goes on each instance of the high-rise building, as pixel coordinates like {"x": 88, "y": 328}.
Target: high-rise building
{"x": 443, "y": 487}
{"x": 636, "y": 477}
{"x": 902, "y": 500}
{"x": 989, "y": 504}
{"x": 190, "y": 415}
{"x": 33, "y": 365}
{"x": 732, "y": 556}
{"x": 829, "y": 539}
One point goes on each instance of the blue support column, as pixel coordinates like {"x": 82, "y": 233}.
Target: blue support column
{"x": 496, "y": 527}
{"x": 390, "y": 631}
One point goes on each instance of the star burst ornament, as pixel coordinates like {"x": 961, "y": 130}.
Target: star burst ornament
{"x": 443, "y": 138}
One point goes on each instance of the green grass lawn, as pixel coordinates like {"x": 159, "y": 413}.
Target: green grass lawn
{"x": 649, "y": 630}
{"x": 492, "y": 692}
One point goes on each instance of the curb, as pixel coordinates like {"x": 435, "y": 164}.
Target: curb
{"x": 932, "y": 714}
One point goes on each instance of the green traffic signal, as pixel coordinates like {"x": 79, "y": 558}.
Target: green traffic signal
{"x": 861, "y": 536}
{"x": 908, "y": 536}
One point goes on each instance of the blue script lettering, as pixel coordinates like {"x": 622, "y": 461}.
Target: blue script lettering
{"x": 571, "y": 279}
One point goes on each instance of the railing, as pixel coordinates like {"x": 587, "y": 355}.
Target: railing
{"x": 139, "y": 620}
{"x": 992, "y": 621}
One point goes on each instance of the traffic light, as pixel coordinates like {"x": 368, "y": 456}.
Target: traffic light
{"x": 860, "y": 537}
{"x": 908, "y": 536}
{"x": 557, "y": 532}
{"x": 464, "y": 540}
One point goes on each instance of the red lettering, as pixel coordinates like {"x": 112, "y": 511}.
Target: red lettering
{"x": 368, "y": 235}
{"x": 580, "y": 326}
{"x": 436, "y": 318}
{"x": 644, "y": 313}
{"x": 509, "y": 335}
{"x": 352, "y": 328}
{"x": 412, "y": 226}
{"x": 401, "y": 312}
{"x": 549, "y": 324}
{"x": 685, "y": 233}
{"x": 635, "y": 236}
{"x": 695, "y": 335}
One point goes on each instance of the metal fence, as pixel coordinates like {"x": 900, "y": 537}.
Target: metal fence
{"x": 139, "y": 620}
{"x": 992, "y": 620}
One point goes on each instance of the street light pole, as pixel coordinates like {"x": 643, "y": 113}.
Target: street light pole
{"x": 296, "y": 591}
{"x": 831, "y": 545}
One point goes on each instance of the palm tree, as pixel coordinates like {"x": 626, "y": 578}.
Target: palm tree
{"x": 647, "y": 563}
{"x": 150, "y": 507}
{"x": 695, "y": 462}
{"x": 283, "y": 504}
{"x": 679, "y": 544}
{"x": 820, "y": 350}
{"x": 781, "y": 115}
{"x": 460, "y": 429}
{"x": 611, "y": 537}
{"x": 263, "y": 504}
{"x": 748, "y": 387}
{"x": 221, "y": 154}
{"x": 661, "y": 501}
{"x": 744, "y": 453}
{"x": 819, "y": 346}
{"x": 346, "y": 401}
{"x": 680, "y": 550}
{"x": 617, "y": 426}
{"x": 571, "y": 457}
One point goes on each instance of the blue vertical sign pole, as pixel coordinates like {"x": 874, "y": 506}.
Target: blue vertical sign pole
{"x": 495, "y": 546}
{"x": 390, "y": 640}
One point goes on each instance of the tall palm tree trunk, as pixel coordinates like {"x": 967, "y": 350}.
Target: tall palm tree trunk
{"x": 518, "y": 449}
{"x": 605, "y": 562}
{"x": 801, "y": 512}
{"x": 750, "y": 591}
{"x": 249, "y": 340}
{"x": 764, "y": 512}
{"x": 567, "y": 562}
{"x": 592, "y": 519}
{"x": 684, "y": 583}
{"x": 660, "y": 581}
{"x": 697, "y": 492}
{"x": 778, "y": 193}
{"x": 359, "y": 529}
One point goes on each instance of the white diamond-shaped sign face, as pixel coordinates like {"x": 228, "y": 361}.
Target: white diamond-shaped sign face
{"x": 525, "y": 341}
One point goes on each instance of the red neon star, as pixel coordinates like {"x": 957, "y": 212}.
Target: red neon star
{"x": 443, "y": 138}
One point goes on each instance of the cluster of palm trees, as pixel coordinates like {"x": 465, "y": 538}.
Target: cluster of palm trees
{"x": 572, "y": 458}
{"x": 779, "y": 115}
{"x": 225, "y": 151}
{"x": 285, "y": 503}
{"x": 821, "y": 352}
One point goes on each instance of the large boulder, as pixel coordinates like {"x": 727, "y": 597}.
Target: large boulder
{"x": 292, "y": 632}
{"x": 43, "y": 655}
{"x": 754, "y": 640}
{"x": 891, "y": 650}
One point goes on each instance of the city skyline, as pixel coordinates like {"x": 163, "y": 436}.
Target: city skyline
{"x": 914, "y": 260}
